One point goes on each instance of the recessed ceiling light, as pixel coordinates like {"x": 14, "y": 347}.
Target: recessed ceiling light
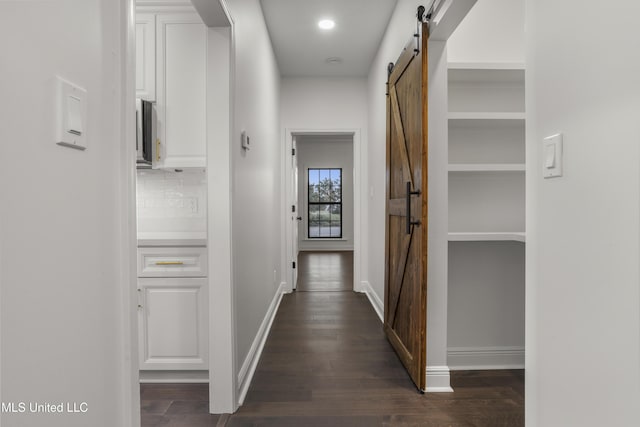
{"x": 326, "y": 24}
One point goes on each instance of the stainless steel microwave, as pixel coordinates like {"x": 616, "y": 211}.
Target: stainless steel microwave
{"x": 146, "y": 121}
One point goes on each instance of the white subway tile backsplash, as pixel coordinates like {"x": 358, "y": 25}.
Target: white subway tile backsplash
{"x": 170, "y": 201}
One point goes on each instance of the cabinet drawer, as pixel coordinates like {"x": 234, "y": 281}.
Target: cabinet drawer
{"x": 172, "y": 262}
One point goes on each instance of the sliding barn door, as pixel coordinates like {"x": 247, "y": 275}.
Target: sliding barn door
{"x": 406, "y": 212}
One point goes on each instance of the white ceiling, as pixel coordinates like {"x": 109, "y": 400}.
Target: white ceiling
{"x": 302, "y": 48}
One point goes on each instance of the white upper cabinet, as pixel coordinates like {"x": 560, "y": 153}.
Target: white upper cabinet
{"x": 146, "y": 56}
{"x": 173, "y": 320}
{"x": 181, "y": 41}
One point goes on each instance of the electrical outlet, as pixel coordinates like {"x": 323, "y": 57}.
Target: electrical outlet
{"x": 193, "y": 205}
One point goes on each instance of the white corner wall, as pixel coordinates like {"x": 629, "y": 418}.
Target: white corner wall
{"x": 61, "y": 215}
{"x": 333, "y": 104}
{"x": 256, "y": 184}
{"x": 331, "y": 152}
{"x": 492, "y": 32}
{"x": 398, "y": 32}
{"x": 583, "y": 299}
{"x": 401, "y": 27}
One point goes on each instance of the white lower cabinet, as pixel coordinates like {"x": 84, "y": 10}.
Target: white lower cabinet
{"x": 173, "y": 323}
{"x": 173, "y": 315}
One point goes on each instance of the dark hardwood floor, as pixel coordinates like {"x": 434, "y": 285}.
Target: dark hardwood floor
{"x": 325, "y": 271}
{"x": 176, "y": 405}
{"x": 327, "y": 362}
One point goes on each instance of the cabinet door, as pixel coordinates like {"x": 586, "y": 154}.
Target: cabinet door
{"x": 173, "y": 324}
{"x": 146, "y": 56}
{"x": 181, "y": 90}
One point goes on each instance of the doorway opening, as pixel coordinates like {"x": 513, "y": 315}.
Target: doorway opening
{"x": 325, "y": 212}
{"x": 185, "y": 316}
{"x": 323, "y": 185}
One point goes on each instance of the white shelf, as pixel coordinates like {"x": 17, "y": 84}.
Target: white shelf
{"x": 486, "y": 66}
{"x": 486, "y": 167}
{"x": 496, "y": 78}
{"x": 487, "y": 182}
{"x": 486, "y": 116}
{"x": 487, "y": 236}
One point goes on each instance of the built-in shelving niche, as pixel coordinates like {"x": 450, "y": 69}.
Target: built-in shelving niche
{"x": 486, "y": 215}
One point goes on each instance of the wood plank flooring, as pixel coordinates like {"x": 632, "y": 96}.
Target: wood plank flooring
{"x": 176, "y": 405}
{"x": 327, "y": 363}
{"x": 325, "y": 271}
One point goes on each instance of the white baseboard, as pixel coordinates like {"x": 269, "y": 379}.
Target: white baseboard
{"x": 150, "y": 377}
{"x": 374, "y": 299}
{"x": 325, "y": 246}
{"x": 438, "y": 379}
{"x": 479, "y": 358}
{"x": 251, "y": 361}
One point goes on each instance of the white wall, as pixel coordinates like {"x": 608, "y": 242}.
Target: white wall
{"x": 256, "y": 207}
{"x": 396, "y": 36}
{"x": 330, "y": 152}
{"x": 583, "y": 299}
{"x": 324, "y": 103}
{"x": 491, "y": 32}
{"x": 401, "y": 27}
{"x": 336, "y": 103}
{"x": 61, "y": 215}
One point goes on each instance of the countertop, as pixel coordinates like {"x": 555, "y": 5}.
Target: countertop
{"x": 172, "y": 239}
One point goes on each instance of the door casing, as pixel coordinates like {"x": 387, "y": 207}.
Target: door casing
{"x": 290, "y": 198}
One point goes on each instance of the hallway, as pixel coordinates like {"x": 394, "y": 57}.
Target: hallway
{"x": 327, "y": 363}
{"x": 325, "y": 271}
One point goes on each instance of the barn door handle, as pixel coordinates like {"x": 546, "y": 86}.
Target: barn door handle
{"x": 410, "y": 193}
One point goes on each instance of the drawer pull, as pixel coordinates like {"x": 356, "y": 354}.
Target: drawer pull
{"x": 169, "y": 263}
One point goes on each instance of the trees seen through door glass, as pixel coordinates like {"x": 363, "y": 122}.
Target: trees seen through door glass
{"x": 324, "y": 203}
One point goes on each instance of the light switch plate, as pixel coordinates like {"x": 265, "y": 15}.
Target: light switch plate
{"x": 70, "y": 114}
{"x": 552, "y": 156}
{"x": 245, "y": 141}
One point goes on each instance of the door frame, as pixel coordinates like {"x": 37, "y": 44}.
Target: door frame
{"x": 295, "y": 203}
{"x": 127, "y": 293}
{"x": 288, "y": 194}
{"x": 220, "y": 88}
{"x": 223, "y": 395}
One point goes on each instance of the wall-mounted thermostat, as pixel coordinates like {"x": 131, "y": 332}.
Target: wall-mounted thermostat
{"x": 246, "y": 143}
{"x": 70, "y": 114}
